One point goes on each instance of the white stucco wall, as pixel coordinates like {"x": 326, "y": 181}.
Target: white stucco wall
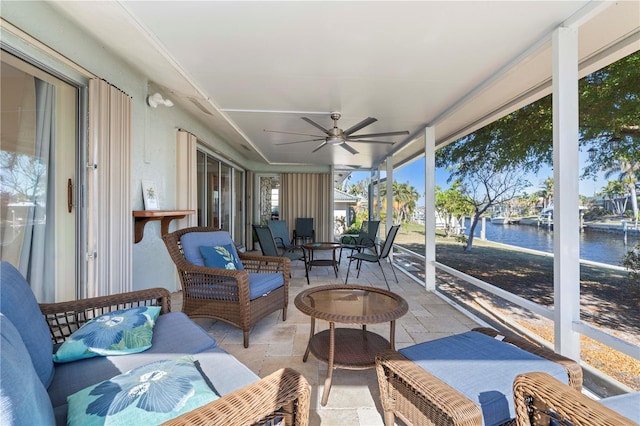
{"x": 153, "y": 132}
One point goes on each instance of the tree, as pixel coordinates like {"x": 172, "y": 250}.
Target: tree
{"x": 627, "y": 175}
{"x": 486, "y": 185}
{"x": 451, "y": 204}
{"x": 405, "y": 197}
{"x": 617, "y": 195}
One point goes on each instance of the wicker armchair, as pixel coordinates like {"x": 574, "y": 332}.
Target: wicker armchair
{"x": 284, "y": 394}
{"x": 224, "y": 294}
{"x": 419, "y": 398}
{"x": 539, "y": 397}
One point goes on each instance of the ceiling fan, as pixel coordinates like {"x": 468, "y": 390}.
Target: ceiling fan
{"x": 337, "y": 136}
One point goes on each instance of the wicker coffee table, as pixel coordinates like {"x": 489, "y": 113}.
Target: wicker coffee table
{"x": 349, "y": 348}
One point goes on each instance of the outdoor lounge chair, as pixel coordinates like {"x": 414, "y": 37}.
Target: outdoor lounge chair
{"x": 258, "y": 286}
{"x": 540, "y": 398}
{"x": 464, "y": 379}
{"x": 360, "y": 256}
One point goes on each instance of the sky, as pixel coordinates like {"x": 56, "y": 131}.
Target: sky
{"x": 414, "y": 174}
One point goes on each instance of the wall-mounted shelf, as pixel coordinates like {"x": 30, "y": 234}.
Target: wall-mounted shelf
{"x": 141, "y": 217}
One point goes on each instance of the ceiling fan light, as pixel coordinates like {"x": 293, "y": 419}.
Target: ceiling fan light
{"x": 334, "y": 140}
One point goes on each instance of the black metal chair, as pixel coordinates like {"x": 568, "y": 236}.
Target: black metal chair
{"x": 304, "y": 230}
{"x": 280, "y": 232}
{"x": 361, "y": 256}
{"x": 366, "y": 238}
{"x": 269, "y": 247}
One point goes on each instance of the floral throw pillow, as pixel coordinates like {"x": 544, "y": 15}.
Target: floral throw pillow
{"x": 119, "y": 332}
{"x": 147, "y": 395}
{"x": 220, "y": 257}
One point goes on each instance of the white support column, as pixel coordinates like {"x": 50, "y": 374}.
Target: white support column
{"x": 566, "y": 233}
{"x": 430, "y": 208}
{"x": 389, "y": 220}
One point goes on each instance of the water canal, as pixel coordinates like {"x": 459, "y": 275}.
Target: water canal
{"x": 595, "y": 246}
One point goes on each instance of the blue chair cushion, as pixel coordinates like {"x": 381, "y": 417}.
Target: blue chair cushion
{"x": 220, "y": 257}
{"x": 263, "y": 284}
{"x": 23, "y": 397}
{"x": 192, "y": 241}
{"x": 20, "y": 306}
{"x": 627, "y": 404}
{"x": 481, "y": 368}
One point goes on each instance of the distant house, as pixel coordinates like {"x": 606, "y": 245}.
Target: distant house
{"x": 344, "y": 206}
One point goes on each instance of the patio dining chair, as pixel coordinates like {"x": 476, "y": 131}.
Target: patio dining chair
{"x": 269, "y": 247}
{"x": 304, "y": 231}
{"x": 220, "y": 283}
{"x": 280, "y": 232}
{"x": 366, "y": 238}
{"x": 361, "y": 256}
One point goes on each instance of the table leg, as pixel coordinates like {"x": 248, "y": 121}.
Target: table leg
{"x": 327, "y": 381}
{"x": 392, "y": 336}
{"x": 311, "y": 333}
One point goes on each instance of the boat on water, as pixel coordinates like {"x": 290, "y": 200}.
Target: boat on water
{"x": 500, "y": 220}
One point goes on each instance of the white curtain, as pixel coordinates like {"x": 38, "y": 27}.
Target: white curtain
{"x": 308, "y": 195}
{"x": 36, "y": 256}
{"x": 110, "y": 222}
{"x": 186, "y": 177}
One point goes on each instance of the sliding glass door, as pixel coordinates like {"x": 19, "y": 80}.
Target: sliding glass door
{"x": 38, "y": 182}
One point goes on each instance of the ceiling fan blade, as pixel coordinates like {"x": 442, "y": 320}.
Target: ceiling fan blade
{"x": 320, "y": 146}
{"x": 314, "y": 124}
{"x": 291, "y": 143}
{"x": 290, "y": 133}
{"x": 348, "y": 148}
{"x": 360, "y": 125}
{"x": 373, "y": 135}
{"x": 368, "y": 141}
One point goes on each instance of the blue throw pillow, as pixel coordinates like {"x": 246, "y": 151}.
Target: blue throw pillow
{"x": 220, "y": 257}
{"x": 147, "y": 395}
{"x": 119, "y": 332}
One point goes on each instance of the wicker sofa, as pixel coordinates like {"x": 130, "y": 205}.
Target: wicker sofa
{"x": 34, "y": 389}
{"x": 257, "y": 287}
{"x": 542, "y": 400}
{"x": 464, "y": 379}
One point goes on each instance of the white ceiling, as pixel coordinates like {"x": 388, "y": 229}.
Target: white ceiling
{"x": 263, "y": 65}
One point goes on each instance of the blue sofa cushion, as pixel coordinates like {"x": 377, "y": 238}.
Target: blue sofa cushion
{"x": 120, "y": 332}
{"x": 627, "y": 404}
{"x": 192, "y": 241}
{"x": 20, "y": 306}
{"x": 220, "y": 257}
{"x": 263, "y": 284}
{"x": 149, "y": 394}
{"x": 174, "y": 333}
{"x": 23, "y": 397}
{"x": 481, "y": 368}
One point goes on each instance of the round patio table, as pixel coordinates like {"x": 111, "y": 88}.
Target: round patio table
{"x": 312, "y": 261}
{"x": 349, "y": 348}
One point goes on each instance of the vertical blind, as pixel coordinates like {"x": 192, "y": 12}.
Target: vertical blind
{"x": 110, "y": 231}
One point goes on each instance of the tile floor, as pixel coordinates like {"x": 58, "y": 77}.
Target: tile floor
{"x": 354, "y": 397}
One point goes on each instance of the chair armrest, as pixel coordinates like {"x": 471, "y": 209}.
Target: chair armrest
{"x": 64, "y": 318}
{"x": 574, "y": 371}
{"x": 265, "y": 264}
{"x": 537, "y": 393}
{"x": 423, "y": 397}
{"x": 283, "y": 394}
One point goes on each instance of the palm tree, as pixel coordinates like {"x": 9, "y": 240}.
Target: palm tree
{"x": 627, "y": 174}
